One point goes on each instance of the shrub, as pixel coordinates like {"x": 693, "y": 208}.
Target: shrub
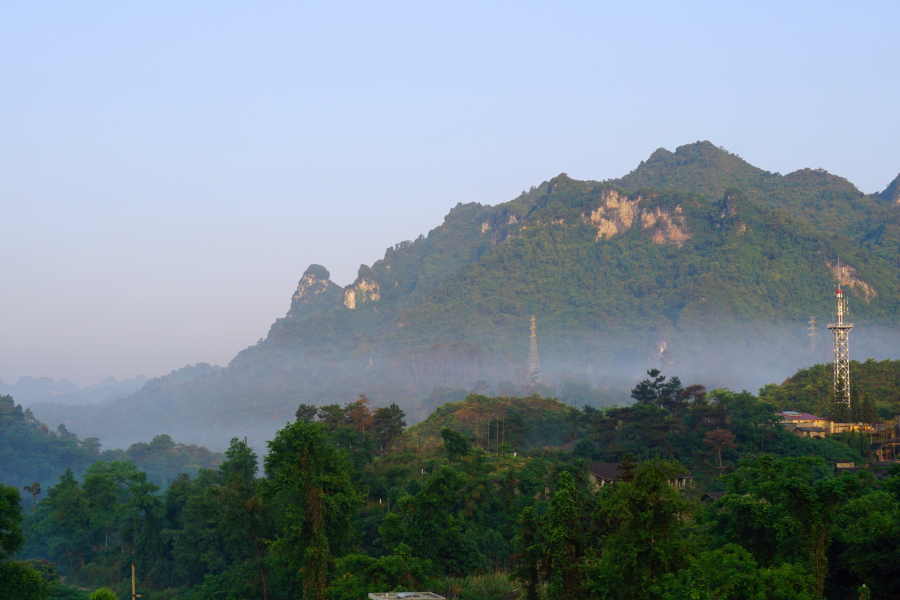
{"x": 103, "y": 594}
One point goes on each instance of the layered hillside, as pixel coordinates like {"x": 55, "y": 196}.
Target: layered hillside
{"x": 714, "y": 283}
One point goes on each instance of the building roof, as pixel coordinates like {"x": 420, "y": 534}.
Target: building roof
{"x": 888, "y": 441}
{"x": 406, "y": 596}
{"x": 610, "y": 471}
{"x": 607, "y": 471}
{"x": 799, "y": 416}
{"x": 713, "y": 495}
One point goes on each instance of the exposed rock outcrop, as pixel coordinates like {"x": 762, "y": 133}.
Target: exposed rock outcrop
{"x": 847, "y": 276}
{"x": 315, "y": 293}
{"x": 668, "y": 227}
{"x": 366, "y": 290}
{"x": 615, "y": 214}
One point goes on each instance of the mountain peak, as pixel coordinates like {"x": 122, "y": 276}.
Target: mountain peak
{"x": 315, "y": 293}
{"x": 892, "y": 192}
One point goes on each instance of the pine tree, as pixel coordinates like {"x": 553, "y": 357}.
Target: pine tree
{"x": 870, "y": 412}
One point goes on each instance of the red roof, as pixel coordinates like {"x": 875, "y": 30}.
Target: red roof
{"x": 795, "y": 416}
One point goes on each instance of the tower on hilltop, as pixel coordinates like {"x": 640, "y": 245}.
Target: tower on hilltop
{"x": 534, "y": 365}
{"x": 841, "y": 333}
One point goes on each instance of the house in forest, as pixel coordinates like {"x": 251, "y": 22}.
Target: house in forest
{"x": 405, "y": 596}
{"x": 710, "y": 497}
{"x": 808, "y": 425}
{"x": 804, "y": 424}
{"x": 878, "y": 469}
{"x": 603, "y": 474}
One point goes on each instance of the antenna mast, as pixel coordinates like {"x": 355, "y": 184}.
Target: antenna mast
{"x": 534, "y": 365}
{"x": 841, "y": 333}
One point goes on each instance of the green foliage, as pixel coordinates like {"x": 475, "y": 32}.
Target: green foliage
{"x": 431, "y": 522}
{"x": 732, "y": 572}
{"x": 164, "y": 459}
{"x": 565, "y": 541}
{"x": 639, "y": 527}
{"x": 30, "y": 452}
{"x": 869, "y": 528}
{"x": 782, "y": 510}
{"x": 18, "y": 580}
{"x": 455, "y": 444}
{"x": 357, "y": 574}
{"x": 103, "y": 594}
{"x": 335, "y": 517}
{"x": 10, "y": 519}
{"x": 488, "y": 422}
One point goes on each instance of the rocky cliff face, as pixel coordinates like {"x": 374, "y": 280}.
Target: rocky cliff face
{"x": 315, "y": 294}
{"x": 847, "y": 277}
{"x": 366, "y": 290}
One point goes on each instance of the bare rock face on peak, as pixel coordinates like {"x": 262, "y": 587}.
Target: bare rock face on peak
{"x": 315, "y": 294}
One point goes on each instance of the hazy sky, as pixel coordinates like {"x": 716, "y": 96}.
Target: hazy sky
{"x": 168, "y": 170}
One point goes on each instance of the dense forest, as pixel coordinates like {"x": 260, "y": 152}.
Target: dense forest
{"x": 693, "y": 262}
{"x": 488, "y": 495}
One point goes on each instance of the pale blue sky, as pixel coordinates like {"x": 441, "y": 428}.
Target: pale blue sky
{"x": 168, "y": 171}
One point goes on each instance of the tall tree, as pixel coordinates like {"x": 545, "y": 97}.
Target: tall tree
{"x": 455, "y": 444}
{"x": 564, "y": 541}
{"x": 388, "y": 425}
{"x": 310, "y": 482}
{"x": 639, "y": 525}
{"x": 783, "y": 510}
{"x": 718, "y": 439}
{"x": 35, "y": 490}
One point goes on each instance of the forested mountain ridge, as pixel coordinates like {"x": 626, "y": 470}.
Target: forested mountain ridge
{"x": 827, "y": 201}
{"x": 620, "y": 276}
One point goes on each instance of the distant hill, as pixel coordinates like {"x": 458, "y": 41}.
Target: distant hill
{"x": 30, "y": 390}
{"x": 488, "y": 421}
{"x": 696, "y": 263}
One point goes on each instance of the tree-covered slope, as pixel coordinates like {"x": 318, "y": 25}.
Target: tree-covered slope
{"x": 490, "y": 422}
{"x": 599, "y": 266}
{"x": 826, "y": 201}
{"x": 809, "y": 389}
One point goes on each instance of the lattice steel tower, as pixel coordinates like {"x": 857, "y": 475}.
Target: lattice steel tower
{"x": 841, "y": 332}
{"x": 534, "y": 365}
{"x": 813, "y": 334}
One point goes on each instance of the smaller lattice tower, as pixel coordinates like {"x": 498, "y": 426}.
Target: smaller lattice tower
{"x": 813, "y": 334}
{"x": 841, "y": 333}
{"x": 534, "y": 365}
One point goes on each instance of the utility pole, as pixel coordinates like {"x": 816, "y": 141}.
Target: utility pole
{"x": 841, "y": 333}
{"x": 134, "y": 595}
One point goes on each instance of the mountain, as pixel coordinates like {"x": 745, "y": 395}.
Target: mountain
{"x": 696, "y": 263}
{"x": 31, "y": 390}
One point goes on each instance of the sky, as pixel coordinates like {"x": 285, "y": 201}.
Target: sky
{"x": 168, "y": 170}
